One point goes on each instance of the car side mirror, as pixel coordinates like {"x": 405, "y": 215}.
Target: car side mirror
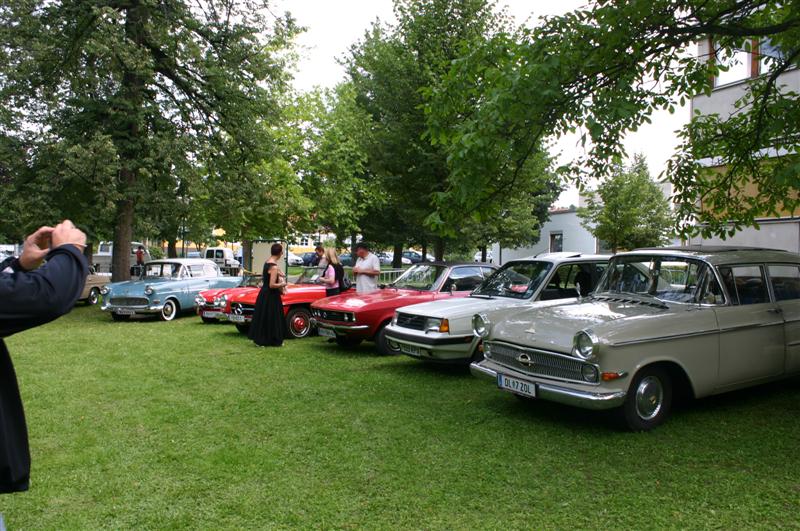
{"x": 578, "y": 290}
{"x": 452, "y": 288}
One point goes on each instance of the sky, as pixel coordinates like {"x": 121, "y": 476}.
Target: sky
{"x": 332, "y": 26}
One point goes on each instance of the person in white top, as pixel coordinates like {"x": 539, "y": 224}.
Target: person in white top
{"x": 366, "y": 270}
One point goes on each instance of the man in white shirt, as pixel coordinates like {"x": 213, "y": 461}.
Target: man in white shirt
{"x": 366, "y": 270}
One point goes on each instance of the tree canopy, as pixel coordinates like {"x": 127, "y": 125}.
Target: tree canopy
{"x": 602, "y": 71}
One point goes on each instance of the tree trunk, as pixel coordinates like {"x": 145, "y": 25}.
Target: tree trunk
{"x": 88, "y": 252}
{"x": 424, "y": 251}
{"x": 123, "y": 234}
{"x": 353, "y": 246}
{"x": 172, "y": 248}
{"x": 438, "y": 249}
{"x": 127, "y": 141}
{"x": 247, "y": 255}
{"x": 397, "y": 259}
{"x": 483, "y": 253}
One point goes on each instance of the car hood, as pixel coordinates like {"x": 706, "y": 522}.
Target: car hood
{"x": 209, "y": 294}
{"x": 385, "y": 297}
{"x": 462, "y": 307}
{"x": 136, "y": 286}
{"x": 554, "y": 327}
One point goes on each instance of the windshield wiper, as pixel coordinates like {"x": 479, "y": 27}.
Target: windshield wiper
{"x": 480, "y": 296}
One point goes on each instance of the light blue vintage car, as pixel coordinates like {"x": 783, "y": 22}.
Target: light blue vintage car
{"x": 167, "y": 288}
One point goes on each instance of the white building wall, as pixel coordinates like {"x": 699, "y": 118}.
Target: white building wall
{"x": 781, "y": 234}
{"x": 575, "y": 238}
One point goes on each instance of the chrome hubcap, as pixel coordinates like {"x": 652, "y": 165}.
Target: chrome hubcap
{"x": 169, "y": 309}
{"x": 649, "y": 398}
{"x": 300, "y": 325}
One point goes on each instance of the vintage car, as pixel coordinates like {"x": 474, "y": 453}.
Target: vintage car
{"x": 166, "y": 288}
{"x": 297, "y": 301}
{"x": 352, "y": 318}
{"x": 442, "y": 330}
{"x": 210, "y": 304}
{"x": 685, "y": 321}
{"x": 93, "y": 287}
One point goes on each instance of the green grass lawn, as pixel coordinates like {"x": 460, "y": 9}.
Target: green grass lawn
{"x": 154, "y": 425}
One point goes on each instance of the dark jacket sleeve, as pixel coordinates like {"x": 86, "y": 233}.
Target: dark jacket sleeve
{"x": 32, "y": 298}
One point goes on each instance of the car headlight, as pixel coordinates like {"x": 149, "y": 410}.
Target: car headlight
{"x": 148, "y": 290}
{"x": 434, "y": 324}
{"x": 104, "y": 291}
{"x": 481, "y": 325}
{"x": 221, "y": 300}
{"x": 589, "y": 373}
{"x": 584, "y": 345}
{"x": 199, "y": 301}
{"x": 394, "y": 318}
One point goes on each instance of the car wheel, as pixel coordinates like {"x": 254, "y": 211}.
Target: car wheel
{"x": 298, "y": 322}
{"x": 348, "y": 342}
{"x": 243, "y": 328}
{"x": 382, "y": 342}
{"x": 208, "y": 320}
{"x": 649, "y": 400}
{"x": 94, "y": 297}
{"x": 169, "y": 311}
{"x": 118, "y": 317}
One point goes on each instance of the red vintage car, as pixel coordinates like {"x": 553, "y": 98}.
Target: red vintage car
{"x": 210, "y": 304}
{"x": 352, "y": 318}
{"x": 296, "y": 304}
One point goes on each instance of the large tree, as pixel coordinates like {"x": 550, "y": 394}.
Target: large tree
{"x": 628, "y": 209}
{"x": 393, "y": 69}
{"x": 122, "y": 75}
{"x": 603, "y": 70}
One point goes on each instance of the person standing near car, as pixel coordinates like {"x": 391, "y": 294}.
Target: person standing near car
{"x": 367, "y": 269}
{"x": 319, "y": 252}
{"x": 266, "y": 329}
{"x": 32, "y": 296}
{"x": 333, "y": 276}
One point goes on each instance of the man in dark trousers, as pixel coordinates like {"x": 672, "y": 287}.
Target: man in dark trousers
{"x": 32, "y": 296}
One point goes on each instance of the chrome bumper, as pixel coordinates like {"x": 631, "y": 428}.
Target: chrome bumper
{"x": 554, "y": 393}
{"x": 338, "y": 328}
{"x": 135, "y": 309}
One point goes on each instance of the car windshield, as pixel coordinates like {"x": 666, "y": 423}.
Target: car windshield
{"x": 423, "y": 277}
{"x": 310, "y": 275}
{"x": 517, "y": 280}
{"x": 162, "y": 270}
{"x": 667, "y": 278}
{"x": 251, "y": 281}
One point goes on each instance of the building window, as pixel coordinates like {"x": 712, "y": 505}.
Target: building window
{"x": 304, "y": 241}
{"x": 738, "y": 63}
{"x": 556, "y": 242}
{"x": 769, "y": 56}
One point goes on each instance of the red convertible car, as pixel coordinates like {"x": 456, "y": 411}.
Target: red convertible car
{"x": 351, "y": 318}
{"x": 296, "y": 304}
{"x": 210, "y": 304}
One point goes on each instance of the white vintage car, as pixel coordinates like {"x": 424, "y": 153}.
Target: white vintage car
{"x": 692, "y": 321}
{"x": 442, "y": 330}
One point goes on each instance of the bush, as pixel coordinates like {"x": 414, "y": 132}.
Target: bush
{"x": 156, "y": 253}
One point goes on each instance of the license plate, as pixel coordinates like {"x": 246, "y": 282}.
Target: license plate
{"x": 237, "y": 318}
{"x": 411, "y": 350}
{"x": 516, "y": 386}
{"x": 124, "y": 312}
{"x": 211, "y": 314}
{"x": 326, "y": 332}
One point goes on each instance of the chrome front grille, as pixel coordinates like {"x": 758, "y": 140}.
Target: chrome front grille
{"x": 238, "y": 308}
{"x": 415, "y": 322}
{"x": 329, "y": 315}
{"x": 129, "y": 301}
{"x": 536, "y": 362}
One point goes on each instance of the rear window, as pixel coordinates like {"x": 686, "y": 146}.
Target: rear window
{"x": 785, "y": 282}
{"x": 745, "y": 284}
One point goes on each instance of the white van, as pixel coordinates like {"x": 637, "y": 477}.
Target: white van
{"x": 224, "y": 258}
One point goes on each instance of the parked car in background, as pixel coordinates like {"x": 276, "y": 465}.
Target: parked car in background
{"x": 442, "y": 330}
{"x": 414, "y": 257}
{"x": 93, "y": 286}
{"x": 352, "y": 318}
{"x": 388, "y": 259}
{"x": 294, "y": 260}
{"x": 685, "y": 321}
{"x": 308, "y": 258}
{"x": 194, "y": 254}
{"x": 223, "y": 257}
{"x": 346, "y": 260}
{"x": 297, "y": 302}
{"x": 102, "y": 257}
{"x": 167, "y": 288}
{"x": 210, "y": 303}
{"x": 479, "y": 258}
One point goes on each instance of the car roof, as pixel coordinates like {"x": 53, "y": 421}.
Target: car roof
{"x": 457, "y": 264}
{"x": 565, "y": 256}
{"x": 184, "y": 261}
{"x": 722, "y": 254}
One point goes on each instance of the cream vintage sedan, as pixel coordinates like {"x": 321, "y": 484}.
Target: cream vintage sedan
{"x": 693, "y": 321}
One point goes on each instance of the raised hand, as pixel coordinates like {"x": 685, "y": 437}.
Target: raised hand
{"x": 35, "y": 248}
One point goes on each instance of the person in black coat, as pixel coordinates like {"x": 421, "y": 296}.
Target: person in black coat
{"x": 32, "y": 296}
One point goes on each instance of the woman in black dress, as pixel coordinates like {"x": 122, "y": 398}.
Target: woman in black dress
{"x": 268, "y": 324}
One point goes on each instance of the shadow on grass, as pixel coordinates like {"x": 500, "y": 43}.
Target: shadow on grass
{"x": 408, "y": 366}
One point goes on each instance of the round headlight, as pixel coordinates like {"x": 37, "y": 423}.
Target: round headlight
{"x": 199, "y": 300}
{"x": 480, "y": 325}
{"x": 104, "y": 291}
{"x": 584, "y": 346}
{"x": 589, "y": 373}
{"x": 148, "y": 290}
{"x": 394, "y": 319}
